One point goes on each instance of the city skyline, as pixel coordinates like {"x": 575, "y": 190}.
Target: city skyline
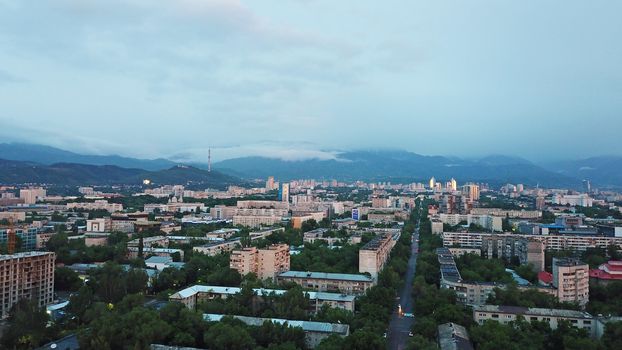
{"x": 306, "y": 78}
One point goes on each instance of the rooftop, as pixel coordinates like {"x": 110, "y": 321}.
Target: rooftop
{"x": 518, "y": 310}
{"x": 327, "y": 276}
{"x": 307, "y": 326}
{"x": 24, "y": 255}
{"x": 452, "y": 336}
{"x": 190, "y": 291}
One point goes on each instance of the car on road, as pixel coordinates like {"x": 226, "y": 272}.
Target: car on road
{"x": 408, "y": 314}
{"x": 410, "y": 334}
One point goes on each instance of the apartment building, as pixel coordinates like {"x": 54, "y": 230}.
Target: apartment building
{"x": 257, "y": 220}
{"x": 314, "y": 332}
{"x": 507, "y": 314}
{"x": 488, "y": 222}
{"x": 329, "y": 282}
{"x": 374, "y": 255}
{"x": 551, "y": 242}
{"x": 192, "y": 296}
{"x": 96, "y": 205}
{"x": 32, "y": 195}
{"x": 212, "y": 249}
{"x": 515, "y": 214}
{"x": 470, "y": 292}
{"x": 452, "y": 336}
{"x": 571, "y": 277}
{"x": 265, "y": 263}
{"x": 28, "y": 275}
{"x": 528, "y": 251}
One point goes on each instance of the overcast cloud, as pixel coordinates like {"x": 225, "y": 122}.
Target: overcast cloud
{"x": 309, "y": 78}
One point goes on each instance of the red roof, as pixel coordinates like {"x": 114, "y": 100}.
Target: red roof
{"x": 545, "y": 277}
{"x": 603, "y": 275}
{"x": 614, "y": 265}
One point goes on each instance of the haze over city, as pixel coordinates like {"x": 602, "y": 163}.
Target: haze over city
{"x": 305, "y": 79}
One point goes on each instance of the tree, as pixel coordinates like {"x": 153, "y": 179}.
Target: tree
{"x": 66, "y": 279}
{"x": 612, "y": 338}
{"x": 27, "y": 326}
{"x": 224, "y": 336}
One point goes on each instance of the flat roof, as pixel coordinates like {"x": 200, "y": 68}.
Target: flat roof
{"x": 532, "y": 311}
{"x": 327, "y": 276}
{"x": 190, "y": 291}
{"x": 24, "y": 255}
{"x": 307, "y": 326}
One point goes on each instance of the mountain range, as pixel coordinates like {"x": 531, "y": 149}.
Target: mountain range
{"x": 28, "y": 162}
{"x": 73, "y": 174}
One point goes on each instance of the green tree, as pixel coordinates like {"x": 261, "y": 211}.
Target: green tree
{"x": 224, "y": 336}
{"x": 27, "y": 326}
{"x": 66, "y": 279}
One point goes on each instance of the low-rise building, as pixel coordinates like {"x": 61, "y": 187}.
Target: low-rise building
{"x": 132, "y": 252}
{"x": 96, "y": 205}
{"x": 507, "y": 314}
{"x": 216, "y": 248}
{"x": 452, "y": 336}
{"x": 191, "y": 296}
{"x": 315, "y": 332}
{"x": 329, "y": 282}
{"x": 610, "y": 271}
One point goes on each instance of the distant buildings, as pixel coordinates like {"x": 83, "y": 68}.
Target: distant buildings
{"x": 581, "y": 200}
{"x": 265, "y": 263}
{"x": 488, "y": 222}
{"x": 284, "y": 192}
{"x": 32, "y": 195}
{"x": 96, "y": 205}
{"x": 471, "y": 192}
{"x": 28, "y": 275}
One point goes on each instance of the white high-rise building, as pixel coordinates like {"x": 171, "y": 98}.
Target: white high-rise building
{"x": 432, "y": 183}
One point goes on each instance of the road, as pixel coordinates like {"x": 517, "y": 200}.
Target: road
{"x": 400, "y": 326}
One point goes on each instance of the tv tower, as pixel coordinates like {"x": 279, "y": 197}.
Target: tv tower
{"x": 209, "y": 160}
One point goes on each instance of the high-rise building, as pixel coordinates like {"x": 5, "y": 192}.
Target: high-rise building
{"x": 270, "y": 183}
{"x": 454, "y": 184}
{"x": 471, "y": 191}
{"x": 432, "y": 183}
{"x": 28, "y": 275}
{"x": 374, "y": 254}
{"x": 265, "y": 263}
{"x": 587, "y": 186}
{"x": 31, "y": 195}
{"x": 571, "y": 277}
{"x": 284, "y": 192}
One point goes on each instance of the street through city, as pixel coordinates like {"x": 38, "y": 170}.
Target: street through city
{"x": 401, "y": 324}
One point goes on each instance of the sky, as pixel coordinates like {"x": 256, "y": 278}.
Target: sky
{"x": 310, "y": 78}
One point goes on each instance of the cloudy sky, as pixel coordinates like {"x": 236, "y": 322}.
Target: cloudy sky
{"x": 302, "y": 78}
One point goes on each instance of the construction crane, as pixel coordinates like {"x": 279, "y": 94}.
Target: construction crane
{"x": 11, "y": 238}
